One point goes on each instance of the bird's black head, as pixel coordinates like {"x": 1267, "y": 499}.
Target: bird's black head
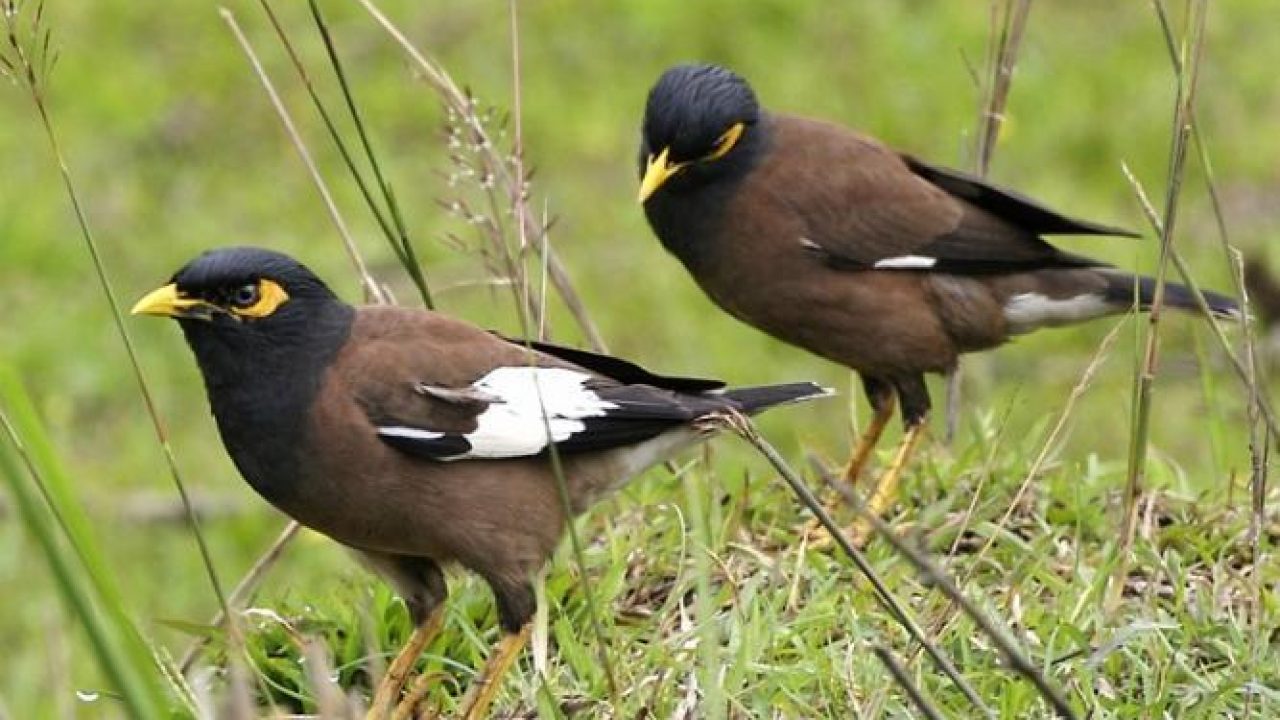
{"x": 240, "y": 307}
{"x": 698, "y": 120}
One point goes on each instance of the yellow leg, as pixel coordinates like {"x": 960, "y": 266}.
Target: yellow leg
{"x": 408, "y": 707}
{"x": 867, "y": 441}
{"x": 818, "y": 537}
{"x": 886, "y": 490}
{"x": 475, "y": 705}
{"x": 389, "y": 689}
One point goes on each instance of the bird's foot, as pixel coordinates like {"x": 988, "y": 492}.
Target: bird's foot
{"x": 885, "y": 493}
{"x": 817, "y": 537}
{"x": 821, "y": 540}
{"x": 813, "y": 533}
{"x": 388, "y": 692}
{"x": 475, "y": 705}
{"x": 411, "y": 706}
{"x": 838, "y": 489}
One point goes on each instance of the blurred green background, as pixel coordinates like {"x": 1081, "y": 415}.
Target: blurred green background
{"x": 175, "y": 149}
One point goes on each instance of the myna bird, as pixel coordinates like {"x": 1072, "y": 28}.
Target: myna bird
{"x": 827, "y": 239}
{"x": 418, "y": 440}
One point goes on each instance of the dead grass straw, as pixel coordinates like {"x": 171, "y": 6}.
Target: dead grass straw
{"x": 498, "y": 172}
{"x": 373, "y": 292}
{"x": 1007, "y": 28}
{"x": 746, "y": 430}
{"x": 1187, "y": 76}
{"x": 934, "y": 575}
{"x": 899, "y": 673}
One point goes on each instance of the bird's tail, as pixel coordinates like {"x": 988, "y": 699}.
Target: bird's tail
{"x": 752, "y": 400}
{"x": 1124, "y": 289}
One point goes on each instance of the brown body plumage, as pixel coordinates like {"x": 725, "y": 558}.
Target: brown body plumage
{"x": 830, "y": 240}
{"x": 418, "y": 440}
{"x": 500, "y": 518}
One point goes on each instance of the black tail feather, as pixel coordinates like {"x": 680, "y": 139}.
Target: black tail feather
{"x": 1123, "y": 289}
{"x": 757, "y": 399}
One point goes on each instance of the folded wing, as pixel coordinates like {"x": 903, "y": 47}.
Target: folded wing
{"x": 520, "y": 411}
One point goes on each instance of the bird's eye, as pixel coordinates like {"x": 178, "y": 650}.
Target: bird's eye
{"x": 726, "y": 141}
{"x": 257, "y": 299}
{"x": 245, "y": 295}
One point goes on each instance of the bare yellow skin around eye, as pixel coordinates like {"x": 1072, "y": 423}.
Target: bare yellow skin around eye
{"x": 726, "y": 141}
{"x": 270, "y": 297}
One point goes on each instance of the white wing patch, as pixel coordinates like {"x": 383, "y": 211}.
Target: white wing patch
{"x": 409, "y": 433}
{"x": 531, "y": 408}
{"x": 533, "y": 401}
{"x": 906, "y": 262}
{"x": 1027, "y": 311}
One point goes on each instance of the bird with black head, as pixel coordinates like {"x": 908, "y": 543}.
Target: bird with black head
{"x": 417, "y": 440}
{"x": 829, "y": 240}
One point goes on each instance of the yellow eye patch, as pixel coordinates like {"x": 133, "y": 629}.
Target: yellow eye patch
{"x": 726, "y": 141}
{"x": 258, "y": 300}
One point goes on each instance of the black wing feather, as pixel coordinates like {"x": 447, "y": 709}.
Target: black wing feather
{"x": 642, "y": 412}
{"x": 1008, "y": 204}
{"x": 624, "y": 415}
{"x": 623, "y": 371}
{"x": 448, "y": 445}
{"x": 963, "y": 254}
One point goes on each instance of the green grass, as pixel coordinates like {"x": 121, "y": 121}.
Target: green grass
{"x": 699, "y": 579}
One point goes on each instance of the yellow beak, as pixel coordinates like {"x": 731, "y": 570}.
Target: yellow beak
{"x": 165, "y": 302}
{"x": 657, "y": 172}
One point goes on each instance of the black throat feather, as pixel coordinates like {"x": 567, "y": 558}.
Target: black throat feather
{"x": 687, "y": 213}
{"x": 261, "y": 385}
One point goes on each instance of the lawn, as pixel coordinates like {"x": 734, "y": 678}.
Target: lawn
{"x": 693, "y": 596}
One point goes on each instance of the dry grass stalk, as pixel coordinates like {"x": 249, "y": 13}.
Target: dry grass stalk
{"x": 904, "y": 681}
{"x": 1246, "y": 373}
{"x": 1187, "y": 75}
{"x": 1259, "y": 401}
{"x": 242, "y": 590}
{"x": 1051, "y": 440}
{"x": 1002, "y": 56}
{"x": 373, "y": 292}
{"x": 746, "y": 429}
{"x": 497, "y": 176}
{"x": 950, "y": 612}
{"x": 933, "y": 574}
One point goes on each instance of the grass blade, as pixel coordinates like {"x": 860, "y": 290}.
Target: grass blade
{"x": 373, "y": 292}
{"x": 34, "y": 84}
{"x": 1187, "y": 75}
{"x": 901, "y": 677}
{"x": 397, "y": 237}
{"x": 79, "y": 574}
{"x": 400, "y": 238}
{"x": 746, "y": 430}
